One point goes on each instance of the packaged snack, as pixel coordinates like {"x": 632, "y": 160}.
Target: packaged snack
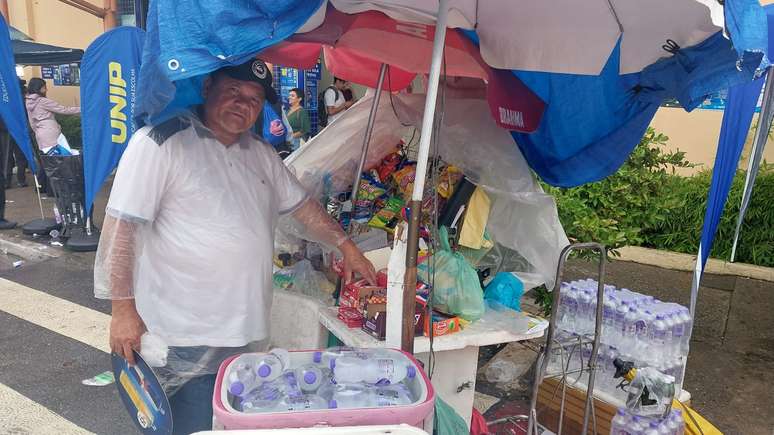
{"x": 389, "y": 165}
{"x": 388, "y": 217}
{"x": 449, "y": 178}
{"x": 404, "y": 179}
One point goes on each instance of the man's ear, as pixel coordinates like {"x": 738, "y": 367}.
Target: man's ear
{"x": 207, "y": 86}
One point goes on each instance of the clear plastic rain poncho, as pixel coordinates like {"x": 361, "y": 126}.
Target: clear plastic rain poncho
{"x": 129, "y": 240}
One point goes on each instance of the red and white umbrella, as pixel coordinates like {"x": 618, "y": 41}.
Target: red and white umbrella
{"x": 356, "y": 45}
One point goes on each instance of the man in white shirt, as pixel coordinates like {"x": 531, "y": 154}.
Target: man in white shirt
{"x": 335, "y": 103}
{"x": 187, "y": 243}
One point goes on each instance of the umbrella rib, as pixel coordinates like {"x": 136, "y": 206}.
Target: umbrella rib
{"x": 615, "y": 15}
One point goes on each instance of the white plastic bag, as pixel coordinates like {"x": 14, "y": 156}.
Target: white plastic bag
{"x": 396, "y": 271}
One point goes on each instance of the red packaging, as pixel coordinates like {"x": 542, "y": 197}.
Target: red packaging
{"x": 381, "y": 278}
{"x": 351, "y": 317}
{"x": 355, "y": 294}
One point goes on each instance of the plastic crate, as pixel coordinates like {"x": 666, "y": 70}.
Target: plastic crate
{"x": 414, "y": 414}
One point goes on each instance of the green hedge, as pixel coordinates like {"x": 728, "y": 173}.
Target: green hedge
{"x": 681, "y": 229}
{"x": 645, "y": 204}
{"x": 71, "y": 128}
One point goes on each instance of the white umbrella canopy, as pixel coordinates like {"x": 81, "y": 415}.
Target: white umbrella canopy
{"x": 565, "y": 36}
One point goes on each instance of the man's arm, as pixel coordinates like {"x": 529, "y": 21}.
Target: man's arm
{"x": 319, "y": 226}
{"x": 332, "y": 110}
{"x": 114, "y": 279}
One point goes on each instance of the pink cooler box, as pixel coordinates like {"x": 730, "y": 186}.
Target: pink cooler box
{"x": 414, "y": 414}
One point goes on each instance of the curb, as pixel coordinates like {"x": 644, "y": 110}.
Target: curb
{"x": 15, "y": 244}
{"x": 687, "y": 263}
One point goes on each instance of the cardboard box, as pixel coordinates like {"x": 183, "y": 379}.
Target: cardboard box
{"x": 356, "y": 293}
{"x": 376, "y": 320}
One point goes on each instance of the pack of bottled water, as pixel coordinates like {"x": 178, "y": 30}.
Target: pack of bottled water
{"x": 635, "y": 327}
{"x": 332, "y": 379}
{"x": 625, "y": 423}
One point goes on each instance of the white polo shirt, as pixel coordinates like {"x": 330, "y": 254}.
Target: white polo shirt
{"x": 208, "y": 213}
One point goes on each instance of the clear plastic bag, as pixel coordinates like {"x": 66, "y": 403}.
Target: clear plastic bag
{"x": 456, "y": 288}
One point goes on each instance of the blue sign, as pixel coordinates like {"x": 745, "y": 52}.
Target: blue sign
{"x": 12, "y": 110}
{"x": 109, "y": 72}
{"x": 47, "y": 72}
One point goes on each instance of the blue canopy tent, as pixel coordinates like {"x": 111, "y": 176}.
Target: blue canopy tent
{"x": 742, "y": 102}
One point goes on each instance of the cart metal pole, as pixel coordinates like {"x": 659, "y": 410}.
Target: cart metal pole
{"x": 415, "y": 205}
{"x": 545, "y": 354}
{"x": 367, "y": 137}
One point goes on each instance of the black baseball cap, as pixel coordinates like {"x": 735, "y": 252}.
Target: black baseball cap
{"x": 254, "y": 70}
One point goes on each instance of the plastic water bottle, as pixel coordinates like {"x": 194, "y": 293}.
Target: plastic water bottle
{"x": 687, "y": 321}
{"x": 585, "y": 315}
{"x": 264, "y": 398}
{"x": 379, "y": 370}
{"x": 325, "y": 357}
{"x": 643, "y": 328}
{"x": 619, "y": 424}
{"x": 570, "y": 309}
{"x": 652, "y": 429}
{"x": 659, "y": 337}
{"x": 269, "y": 367}
{"x": 676, "y": 423}
{"x": 304, "y": 402}
{"x": 346, "y": 396}
{"x": 629, "y": 339}
{"x": 392, "y": 395}
{"x": 288, "y": 384}
{"x": 637, "y": 426}
{"x": 620, "y": 314}
{"x": 309, "y": 377}
{"x": 243, "y": 376}
{"x": 608, "y": 319}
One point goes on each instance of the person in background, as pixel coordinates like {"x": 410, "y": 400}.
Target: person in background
{"x": 14, "y": 156}
{"x": 298, "y": 118}
{"x": 335, "y": 103}
{"x": 41, "y": 112}
{"x": 5, "y": 145}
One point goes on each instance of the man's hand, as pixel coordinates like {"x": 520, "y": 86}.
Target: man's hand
{"x": 126, "y": 328}
{"x": 355, "y": 262}
{"x": 349, "y": 103}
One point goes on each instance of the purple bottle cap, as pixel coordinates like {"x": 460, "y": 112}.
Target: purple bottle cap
{"x": 310, "y": 378}
{"x": 236, "y": 388}
{"x": 317, "y": 357}
{"x": 264, "y": 370}
{"x": 411, "y": 372}
{"x": 332, "y": 404}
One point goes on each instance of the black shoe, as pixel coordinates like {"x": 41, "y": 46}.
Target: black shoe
{"x": 7, "y": 225}
{"x": 22, "y": 184}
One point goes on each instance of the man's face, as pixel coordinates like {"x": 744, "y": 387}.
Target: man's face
{"x": 232, "y": 106}
{"x": 341, "y": 84}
